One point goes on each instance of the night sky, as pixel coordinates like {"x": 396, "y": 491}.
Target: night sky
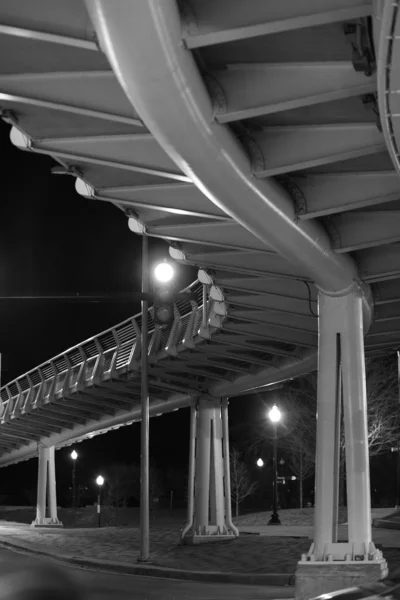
{"x": 52, "y": 242}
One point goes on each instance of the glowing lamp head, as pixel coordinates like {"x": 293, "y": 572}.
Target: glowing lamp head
{"x": 74, "y": 455}
{"x": 260, "y": 462}
{"x": 163, "y": 272}
{"x": 274, "y": 414}
{"x": 100, "y": 480}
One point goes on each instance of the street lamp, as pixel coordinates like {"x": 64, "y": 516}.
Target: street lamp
{"x": 163, "y": 272}
{"x": 260, "y": 462}
{"x": 74, "y": 456}
{"x": 100, "y": 482}
{"x": 274, "y": 416}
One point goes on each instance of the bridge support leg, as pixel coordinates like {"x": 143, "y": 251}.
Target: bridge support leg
{"x": 46, "y": 488}
{"x": 209, "y": 501}
{"x": 332, "y": 564}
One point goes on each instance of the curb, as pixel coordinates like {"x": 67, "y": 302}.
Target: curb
{"x": 385, "y": 524}
{"x": 270, "y": 579}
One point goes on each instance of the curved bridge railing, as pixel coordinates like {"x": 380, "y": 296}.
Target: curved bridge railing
{"x": 109, "y": 355}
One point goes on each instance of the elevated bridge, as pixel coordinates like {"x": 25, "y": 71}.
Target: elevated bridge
{"x": 259, "y": 139}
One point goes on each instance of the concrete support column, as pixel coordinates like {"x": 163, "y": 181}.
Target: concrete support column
{"x": 331, "y": 564}
{"x": 42, "y": 486}
{"x": 52, "y": 486}
{"x": 46, "y": 488}
{"x": 208, "y": 498}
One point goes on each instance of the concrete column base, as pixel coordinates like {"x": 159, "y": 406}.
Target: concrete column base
{"x": 207, "y": 535}
{"x": 47, "y": 522}
{"x": 315, "y": 578}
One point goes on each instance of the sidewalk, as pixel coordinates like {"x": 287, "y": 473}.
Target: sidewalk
{"x": 269, "y": 558}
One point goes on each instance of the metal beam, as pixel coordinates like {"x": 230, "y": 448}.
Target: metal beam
{"x": 105, "y": 396}
{"x": 241, "y": 341}
{"x": 137, "y": 149}
{"x": 272, "y": 304}
{"x": 55, "y": 424}
{"x": 11, "y": 435}
{"x": 228, "y": 234}
{"x": 329, "y": 194}
{"x": 354, "y": 231}
{"x": 62, "y": 407}
{"x": 289, "y": 368}
{"x": 379, "y": 264}
{"x": 274, "y": 333}
{"x": 208, "y": 361}
{"x": 247, "y": 262}
{"x": 386, "y": 292}
{"x": 289, "y": 289}
{"x": 279, "y": 150}
{"x": 169, "y": 366}
{"x": 155, "y": 370}
{"x": 177, "y": 199}
{"x": 387, "y": 312}
{"x": 50, "y": 38}
{"x": 90, "y": 93}
{"x": 61, "y": 414}
{"x": 243, "y": 91}
{"x": 225, "y": 352}
{"x": 27, "y": 425}
{"x": 298, "y": 323}
{"x": 90, "y": 404}
{"x": 209, "y": 23}
{"x": 12, "y": 99}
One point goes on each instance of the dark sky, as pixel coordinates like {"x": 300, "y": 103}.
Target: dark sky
{"x": 53, "y": 241}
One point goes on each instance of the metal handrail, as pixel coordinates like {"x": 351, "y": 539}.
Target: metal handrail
{"x": 38, "y": 372}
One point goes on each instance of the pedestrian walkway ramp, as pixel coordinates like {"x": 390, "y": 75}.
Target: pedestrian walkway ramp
{"x": 256, "y": 141}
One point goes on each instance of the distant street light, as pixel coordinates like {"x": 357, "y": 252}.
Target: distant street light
{"x": 275, "y": 416}
{"x": 74, "y": 456}
{"x": 260, "y": 462}
{"x": 100, "y": 482}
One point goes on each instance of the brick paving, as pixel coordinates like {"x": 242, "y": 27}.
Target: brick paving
{"x": 248, "y": 554}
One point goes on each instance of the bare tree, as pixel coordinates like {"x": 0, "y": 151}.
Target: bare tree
{"x": 299, "y": 440}
{"x": 297, "y": 431}
{"x": 241, "y": 484}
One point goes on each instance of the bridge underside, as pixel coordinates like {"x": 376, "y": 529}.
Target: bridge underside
{"x": 259, "y": 140}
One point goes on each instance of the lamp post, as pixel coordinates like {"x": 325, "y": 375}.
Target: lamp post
{"x": 163, "y": 273}
{"x": 99, "y": 481}
{"x": 274, "y": 416}
{"x": 74, "y": 456}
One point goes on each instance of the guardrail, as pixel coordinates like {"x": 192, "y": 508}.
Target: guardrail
{"x": 104, "y": 356}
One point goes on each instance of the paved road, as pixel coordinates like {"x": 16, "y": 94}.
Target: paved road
{"x": 104, "y": 586}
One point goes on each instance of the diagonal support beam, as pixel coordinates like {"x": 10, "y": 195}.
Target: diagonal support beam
{"x": 210, "y": 23}
{"x": 277, "y": 87}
